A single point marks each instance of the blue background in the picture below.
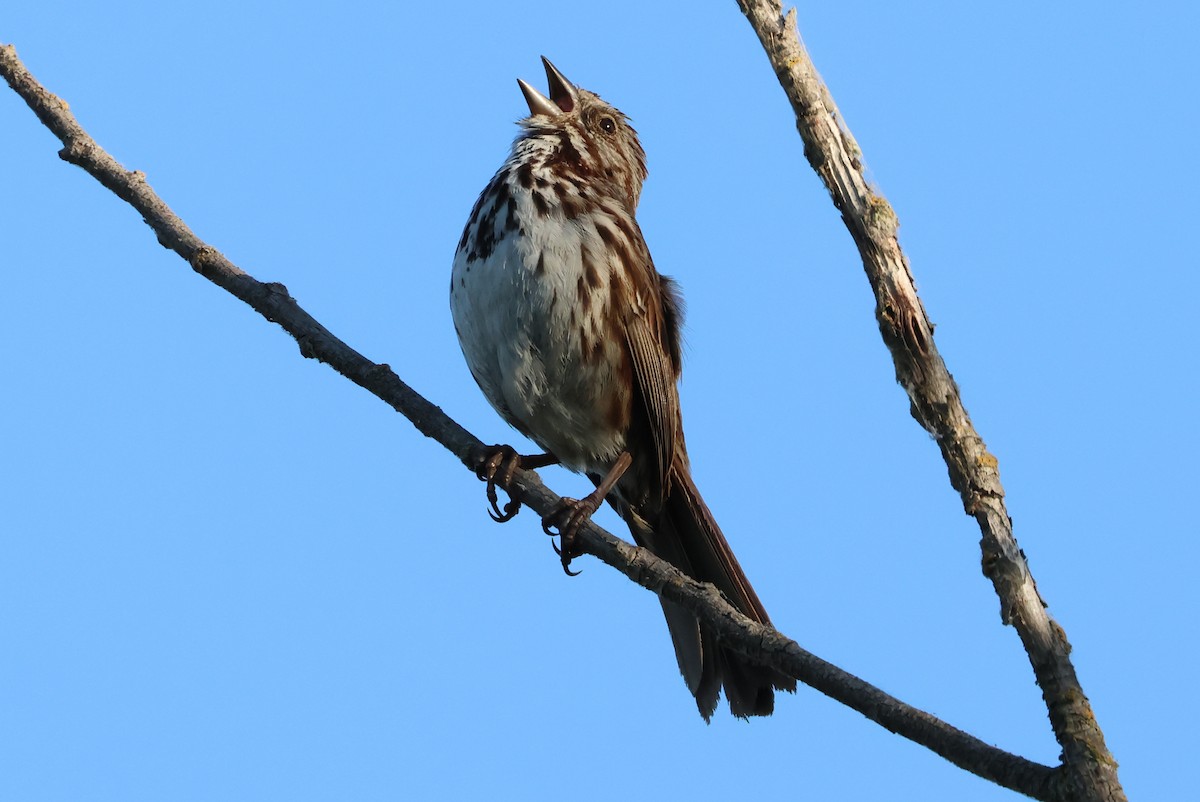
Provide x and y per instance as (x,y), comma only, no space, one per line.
(227,573)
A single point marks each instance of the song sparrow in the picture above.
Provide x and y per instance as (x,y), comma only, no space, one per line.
(573,336)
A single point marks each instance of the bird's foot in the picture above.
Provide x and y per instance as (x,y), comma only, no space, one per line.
(567,517)
(570,514)
(497,465)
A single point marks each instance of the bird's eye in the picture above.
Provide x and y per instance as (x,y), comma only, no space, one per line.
(607,124)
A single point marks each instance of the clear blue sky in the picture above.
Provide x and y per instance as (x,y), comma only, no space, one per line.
(227,573)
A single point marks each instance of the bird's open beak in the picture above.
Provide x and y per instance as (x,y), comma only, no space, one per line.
(563,94)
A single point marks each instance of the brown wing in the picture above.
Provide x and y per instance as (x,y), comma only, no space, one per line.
(652,313)
(654,392)
(649,317)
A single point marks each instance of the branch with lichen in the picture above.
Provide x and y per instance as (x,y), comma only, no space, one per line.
(1088,771)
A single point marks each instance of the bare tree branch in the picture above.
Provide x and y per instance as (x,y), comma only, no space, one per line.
(1090,773)
(764,644)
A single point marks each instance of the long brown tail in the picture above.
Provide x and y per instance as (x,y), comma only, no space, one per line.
(687,536)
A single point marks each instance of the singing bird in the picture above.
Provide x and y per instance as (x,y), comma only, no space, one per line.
(574,337)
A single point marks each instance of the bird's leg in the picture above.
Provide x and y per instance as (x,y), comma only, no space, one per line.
(496,466)
(570,514)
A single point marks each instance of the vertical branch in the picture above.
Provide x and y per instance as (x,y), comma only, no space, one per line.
(1089,771)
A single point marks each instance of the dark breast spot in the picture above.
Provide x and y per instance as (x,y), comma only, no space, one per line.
(591,273)
(572,206)
(525,174)
(479,235)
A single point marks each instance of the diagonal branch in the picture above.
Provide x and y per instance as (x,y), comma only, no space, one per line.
(764,644)
(1089,769)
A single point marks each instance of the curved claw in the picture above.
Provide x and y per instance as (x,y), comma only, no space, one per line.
(567,518)
(511,508)
(566,562)
(549,521)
